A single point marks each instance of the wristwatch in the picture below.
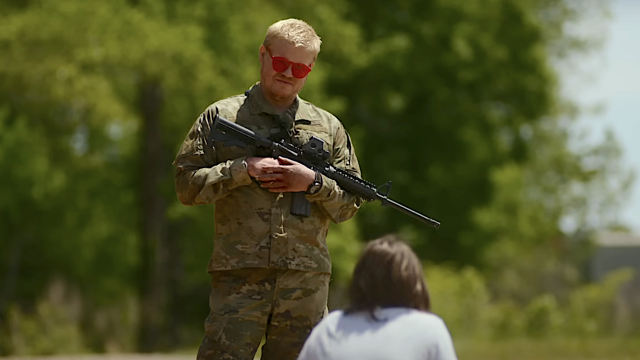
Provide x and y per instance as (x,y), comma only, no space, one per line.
(316,185)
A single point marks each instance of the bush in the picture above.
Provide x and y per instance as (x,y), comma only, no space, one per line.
(63,322)
(590,309)
(462,298)
(48,331)
(543,317)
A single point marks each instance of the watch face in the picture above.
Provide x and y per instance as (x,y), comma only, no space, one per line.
(314,187)
(316,184)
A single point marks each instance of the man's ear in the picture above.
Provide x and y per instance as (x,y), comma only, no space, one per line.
(261,52)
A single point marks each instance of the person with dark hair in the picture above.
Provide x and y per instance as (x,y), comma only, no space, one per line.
(388,316)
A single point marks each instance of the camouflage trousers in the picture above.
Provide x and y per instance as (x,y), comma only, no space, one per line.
(249,304)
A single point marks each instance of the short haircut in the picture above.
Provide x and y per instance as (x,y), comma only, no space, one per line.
(388,274)
(297,32)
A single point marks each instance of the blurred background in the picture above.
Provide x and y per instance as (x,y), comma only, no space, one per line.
(513,122)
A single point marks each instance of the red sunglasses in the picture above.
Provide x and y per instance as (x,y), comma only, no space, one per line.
(281,64)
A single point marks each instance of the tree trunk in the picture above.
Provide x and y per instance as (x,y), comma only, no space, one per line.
(11,275)
(153,245)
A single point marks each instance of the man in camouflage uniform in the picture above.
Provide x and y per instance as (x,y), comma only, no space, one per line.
(270,269)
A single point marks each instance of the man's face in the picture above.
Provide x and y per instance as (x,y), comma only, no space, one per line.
(283,86)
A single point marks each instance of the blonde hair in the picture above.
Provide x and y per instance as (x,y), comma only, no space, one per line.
(297,32)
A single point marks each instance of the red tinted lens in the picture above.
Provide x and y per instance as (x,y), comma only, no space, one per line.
(300,70)
(280,64)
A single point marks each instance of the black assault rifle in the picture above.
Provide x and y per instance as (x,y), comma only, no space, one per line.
(313,156)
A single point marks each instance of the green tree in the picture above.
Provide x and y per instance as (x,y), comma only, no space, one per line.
(86,111)
(470,92)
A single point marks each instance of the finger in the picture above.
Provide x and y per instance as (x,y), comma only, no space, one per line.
(269,177)
(270,162)
(272,184)
(286,161)
(275,169)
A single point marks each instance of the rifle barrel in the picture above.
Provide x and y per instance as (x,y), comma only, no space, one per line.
(416,215)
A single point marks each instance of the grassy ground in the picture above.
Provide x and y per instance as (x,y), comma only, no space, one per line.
(108,357)
(528,349)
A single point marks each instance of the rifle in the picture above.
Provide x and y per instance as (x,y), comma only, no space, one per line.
(314,156)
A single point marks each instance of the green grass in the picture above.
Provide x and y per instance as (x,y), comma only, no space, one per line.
(548,349)
(544,349)
(529,349)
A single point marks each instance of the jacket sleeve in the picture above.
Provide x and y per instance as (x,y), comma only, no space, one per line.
(337,203)
(200,179)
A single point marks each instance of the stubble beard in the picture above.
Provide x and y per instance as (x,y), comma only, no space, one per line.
(288,94)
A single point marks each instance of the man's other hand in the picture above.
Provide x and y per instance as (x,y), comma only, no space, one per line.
(280,175)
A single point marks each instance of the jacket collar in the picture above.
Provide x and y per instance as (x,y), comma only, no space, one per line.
(258,104)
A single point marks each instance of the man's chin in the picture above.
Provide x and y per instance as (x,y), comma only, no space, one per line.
(283,95)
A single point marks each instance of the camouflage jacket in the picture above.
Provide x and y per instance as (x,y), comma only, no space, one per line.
(254,227)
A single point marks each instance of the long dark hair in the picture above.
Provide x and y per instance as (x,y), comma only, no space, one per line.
(388,274)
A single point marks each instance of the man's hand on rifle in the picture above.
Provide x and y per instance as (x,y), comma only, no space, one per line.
(281,174)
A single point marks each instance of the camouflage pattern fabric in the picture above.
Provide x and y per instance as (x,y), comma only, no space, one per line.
(254,227)
(246,303)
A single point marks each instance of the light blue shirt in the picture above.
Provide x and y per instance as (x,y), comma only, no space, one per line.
(400,333)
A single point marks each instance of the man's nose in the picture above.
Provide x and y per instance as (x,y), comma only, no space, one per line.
(289,71)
